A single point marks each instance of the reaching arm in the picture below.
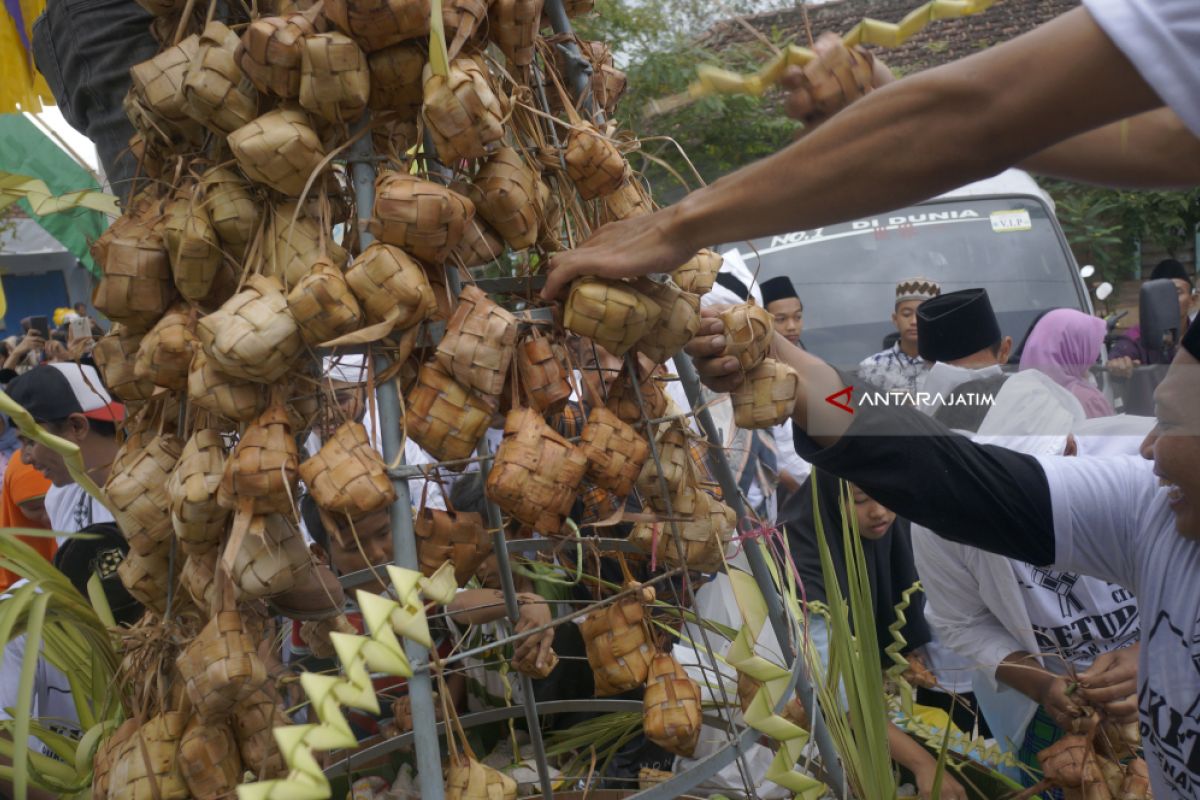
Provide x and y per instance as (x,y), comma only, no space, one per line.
(902,143)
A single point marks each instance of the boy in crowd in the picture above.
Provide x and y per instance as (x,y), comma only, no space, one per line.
(781,302)
(900,367)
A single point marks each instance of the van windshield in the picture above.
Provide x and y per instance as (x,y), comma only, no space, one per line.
(846,274)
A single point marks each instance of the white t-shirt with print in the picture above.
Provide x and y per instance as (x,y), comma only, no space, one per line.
(1162,39)
(52,704)
(1112,520)
(71,509)
(1075,617)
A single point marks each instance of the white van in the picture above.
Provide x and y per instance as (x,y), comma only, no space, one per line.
(999,233)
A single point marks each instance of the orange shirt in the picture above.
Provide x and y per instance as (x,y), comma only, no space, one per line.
(22,483)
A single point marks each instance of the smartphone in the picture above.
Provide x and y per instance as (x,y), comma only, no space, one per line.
(79,328)
(41,325)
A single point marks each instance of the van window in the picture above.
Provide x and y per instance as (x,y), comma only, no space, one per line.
(846,274)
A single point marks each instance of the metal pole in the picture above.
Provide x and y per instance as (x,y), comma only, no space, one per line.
(761,571)
(404,543)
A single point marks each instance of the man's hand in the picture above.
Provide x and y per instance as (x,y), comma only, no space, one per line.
(719,372)
(535,650)
(1122,367)
(1060,705)
(950,788)
(625,249)
(837,77)
(1110,684)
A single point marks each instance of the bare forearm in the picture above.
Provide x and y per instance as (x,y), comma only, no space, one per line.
(925,134)
(1022,672)
(824,423)
(1151,150)
(905,751)
(477,606)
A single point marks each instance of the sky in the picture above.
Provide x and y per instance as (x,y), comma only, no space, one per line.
(53,119)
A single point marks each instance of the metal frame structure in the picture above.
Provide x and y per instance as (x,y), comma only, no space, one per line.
(425,736)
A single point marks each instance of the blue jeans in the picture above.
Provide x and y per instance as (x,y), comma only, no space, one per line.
(85,48)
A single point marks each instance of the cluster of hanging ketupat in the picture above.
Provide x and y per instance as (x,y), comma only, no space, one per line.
(225,283)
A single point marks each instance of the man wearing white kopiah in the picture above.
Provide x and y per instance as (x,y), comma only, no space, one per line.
(901,367)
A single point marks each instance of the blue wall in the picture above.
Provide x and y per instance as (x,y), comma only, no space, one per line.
(32,295)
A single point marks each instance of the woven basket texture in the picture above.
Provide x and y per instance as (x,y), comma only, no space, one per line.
(677,323)
(767,397)
(209,760)
(215,91)
(262,468)
(614,450)
(748,333)
(536,472)
(137,287)
(279,149)
(220,666)
(444,417)
(505,194)
(424,218)
(671,707)
(396,80)
(192,246)
(513,26)
(593,162)
(272,559)
(138,492)
(376,24)
(699,273)
(115,354)
(479,245)
(477,348)
(198,519)
(270,53)
(463,113)
(334,79)
(323,305)
(704,524)
(229,396)
(468,779)
(145,767)
(146,578)
(460,537)
(165,353)
(347,475)
(292,248)
(391,286)
(253,336)
(541,365)
(253,722)
(609,312)
(158,81)
(618,648)
(630,200)
(234,212)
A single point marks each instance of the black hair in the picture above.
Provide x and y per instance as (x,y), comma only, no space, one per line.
(312,520)
(467,493)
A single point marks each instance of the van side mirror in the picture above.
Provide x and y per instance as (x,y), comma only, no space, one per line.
(1158,308)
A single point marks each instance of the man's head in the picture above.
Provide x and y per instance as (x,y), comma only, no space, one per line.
(910,293)
(1174,443)
(69,400)
(81,309)
(350,544)
(346,377)
(961,329)
(1172,270)
(781,302)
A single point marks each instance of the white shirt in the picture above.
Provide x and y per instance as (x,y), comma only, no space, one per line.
(1162,39)
(52,705)
(1112,520)
(789,462)
(72,509)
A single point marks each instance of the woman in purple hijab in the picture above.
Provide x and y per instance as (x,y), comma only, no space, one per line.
(1064,344)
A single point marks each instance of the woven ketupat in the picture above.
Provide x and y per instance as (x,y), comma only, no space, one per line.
(106,755)
(158,82)
(630,200)
(137,286)
(292,245)
(704,524)
(460,537)
(468,779)
(536,472)
(424,218)
(209,760)
(608,82)
(767,397)
(280,149)
(396,80)
(272,557)
(699,273)
(253,721)
(391,287)
(505,193)
(671,706)
(323,305)
(252,335)
(593,162)
(465,116)
(347,474)
(543,372)
(618,645)
(376,24)
(623,398)
(192,246)
(479,245)
(270,53)
(748,333)
(231,207)
(234,398)
(444,417)
(221,667)
(137,488)
(165,353)
(116,354)
(215,91)
(262,468)
(614,450)
(611,313)
(145,766)
(678,469)
(199,521)
(461,20)
(513,26)
(199,577)
(677,323)
(334,79)
(477,349)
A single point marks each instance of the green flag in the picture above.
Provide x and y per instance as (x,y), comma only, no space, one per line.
(25,150)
